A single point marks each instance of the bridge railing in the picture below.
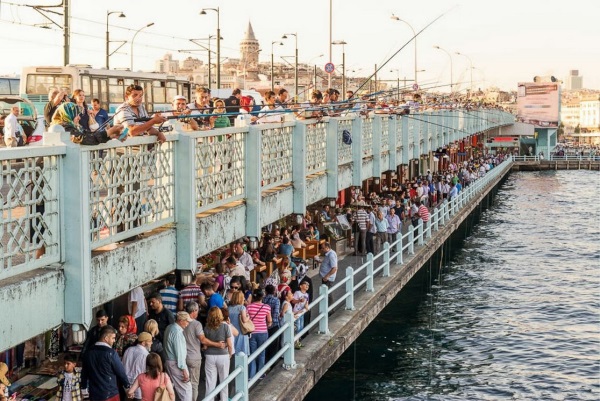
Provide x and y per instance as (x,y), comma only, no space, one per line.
(376,265)
(115,191)
(588,157)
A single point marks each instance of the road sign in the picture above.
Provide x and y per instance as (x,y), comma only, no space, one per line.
(415,86)
(329,68)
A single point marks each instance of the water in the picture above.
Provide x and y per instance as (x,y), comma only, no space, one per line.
(514,314)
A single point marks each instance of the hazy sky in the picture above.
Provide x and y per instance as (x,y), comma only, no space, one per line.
(508,41)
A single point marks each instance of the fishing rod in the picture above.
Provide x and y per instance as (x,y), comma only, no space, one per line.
(403,46)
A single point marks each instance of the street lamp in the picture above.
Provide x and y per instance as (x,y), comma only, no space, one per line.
(398,80)
(449,55)
(396,18)
(470,70)
(108,13)
(343,43)
(203,12)
(134,35)
(314,72)
(296,64)
(272,62)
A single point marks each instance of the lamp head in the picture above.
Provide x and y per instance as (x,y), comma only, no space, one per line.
(202,12)
(150,24)
(121,15)
(284,37)
(395,18)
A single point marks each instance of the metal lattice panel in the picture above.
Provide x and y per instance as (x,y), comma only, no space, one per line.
(344,150)
(385,132)
(411,133)
(276,155)
(367,136)
(219,170)
(399,141)
(29,221)
(316,145)
(130,187)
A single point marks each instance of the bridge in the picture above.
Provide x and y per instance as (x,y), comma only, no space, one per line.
(195,193)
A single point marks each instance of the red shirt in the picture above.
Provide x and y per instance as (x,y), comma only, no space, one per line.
(424,213)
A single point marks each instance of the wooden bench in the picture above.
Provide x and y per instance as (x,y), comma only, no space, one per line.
(312,248)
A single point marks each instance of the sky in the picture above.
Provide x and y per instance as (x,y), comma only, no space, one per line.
(506,41)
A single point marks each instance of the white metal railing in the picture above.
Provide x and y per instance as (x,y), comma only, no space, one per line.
(376,265)
(588,157)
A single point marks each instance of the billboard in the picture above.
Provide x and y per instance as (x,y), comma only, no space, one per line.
(537,103)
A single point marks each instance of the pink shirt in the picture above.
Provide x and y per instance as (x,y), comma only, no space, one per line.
(149,385)
(259,316)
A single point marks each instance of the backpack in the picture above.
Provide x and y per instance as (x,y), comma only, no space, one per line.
(347,137)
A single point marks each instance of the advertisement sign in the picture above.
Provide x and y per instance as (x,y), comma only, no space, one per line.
(537,103)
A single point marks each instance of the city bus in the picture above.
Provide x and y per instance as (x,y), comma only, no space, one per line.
(9,86)
(106,85)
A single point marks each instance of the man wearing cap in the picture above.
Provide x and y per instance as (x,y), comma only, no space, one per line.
(180,108)
(134,360)
(176,353)
(102,368)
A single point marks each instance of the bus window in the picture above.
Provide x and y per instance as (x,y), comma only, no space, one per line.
(40,84)
(5,86)
(147,85)
(115,90)
(172,90)
(158,91)
(103,95)
(87,88)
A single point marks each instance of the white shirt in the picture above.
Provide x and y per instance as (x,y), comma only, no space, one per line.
(134,362)
(11,127)
(137,295)
(267,115)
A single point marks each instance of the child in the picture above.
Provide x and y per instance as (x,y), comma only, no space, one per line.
(69,381)
(300,306)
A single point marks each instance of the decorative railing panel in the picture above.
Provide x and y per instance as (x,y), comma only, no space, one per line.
(276,155)
(219,161)
(131,190)
(367,136)
(316,147)
(344,150)
(385,134)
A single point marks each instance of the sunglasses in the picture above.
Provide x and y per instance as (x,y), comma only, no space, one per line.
(235,288)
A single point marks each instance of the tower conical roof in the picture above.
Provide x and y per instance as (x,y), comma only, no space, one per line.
(249,32)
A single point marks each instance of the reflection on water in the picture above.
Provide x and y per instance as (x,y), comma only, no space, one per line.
(515,314)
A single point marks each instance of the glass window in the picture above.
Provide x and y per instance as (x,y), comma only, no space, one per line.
(115,93)
(40,84)
(87,88)
(158,91)
(4,86)
(104,93)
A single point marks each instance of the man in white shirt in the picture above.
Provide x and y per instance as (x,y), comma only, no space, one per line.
(13,132)
(137,307)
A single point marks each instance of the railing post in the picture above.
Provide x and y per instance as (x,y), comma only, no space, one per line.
(349,288)
(185,202)
(370,286)
(411,240)
(420,232)
(253,168)
(357,152)
(400,248)
(428,230)
(436,217)
(75,231)
(299,168)
(442,212)
(323,310)
(332,157)
(386,259)
(289,361)
(241,380)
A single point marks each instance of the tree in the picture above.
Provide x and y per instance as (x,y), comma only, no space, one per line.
(577,129)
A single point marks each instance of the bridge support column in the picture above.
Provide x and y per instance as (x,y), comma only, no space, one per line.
(185,210)
(253,179)
(299,169)
(357,151)
(332,158)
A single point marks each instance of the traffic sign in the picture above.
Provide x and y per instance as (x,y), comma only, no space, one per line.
(329,68)
(415,86)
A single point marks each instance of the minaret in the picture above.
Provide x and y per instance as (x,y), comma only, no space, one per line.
(249,50)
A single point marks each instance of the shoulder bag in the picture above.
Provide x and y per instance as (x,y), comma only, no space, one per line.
(161,393)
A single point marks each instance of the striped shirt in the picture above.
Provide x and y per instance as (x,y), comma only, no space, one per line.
(170,296)
(190,293)
(126,116)
(258,313)
(361,219)
(274,303)
(424,213)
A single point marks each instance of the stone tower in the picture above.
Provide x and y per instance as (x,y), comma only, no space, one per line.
(249,50)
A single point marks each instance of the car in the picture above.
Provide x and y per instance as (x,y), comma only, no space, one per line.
(33,124)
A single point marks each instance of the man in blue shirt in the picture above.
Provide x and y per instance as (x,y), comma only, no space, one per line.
(329,265)
(212,298)
(176,352)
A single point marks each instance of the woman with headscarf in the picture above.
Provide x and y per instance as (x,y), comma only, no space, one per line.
(126,335)
(67,115)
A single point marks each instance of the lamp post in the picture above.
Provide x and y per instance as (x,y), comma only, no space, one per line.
(272,63)
(449,55)
(295,64)
(398,80)
(203,12)
(396,18)
(108,13)
(343,43)
(470,70)
(133,39)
